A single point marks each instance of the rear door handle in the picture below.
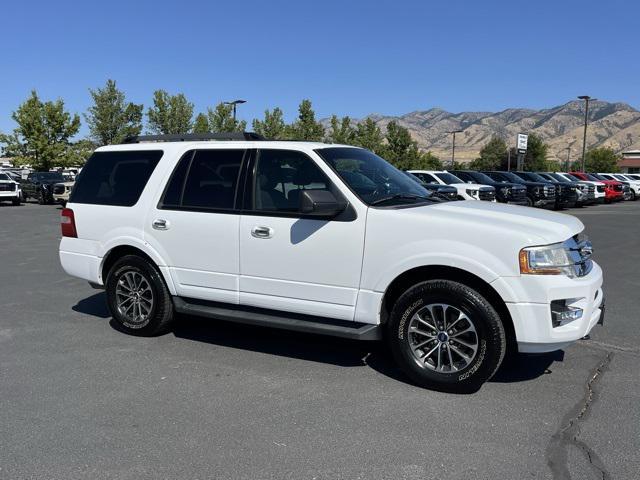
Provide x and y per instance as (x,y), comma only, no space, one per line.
(262,232)
(160,224)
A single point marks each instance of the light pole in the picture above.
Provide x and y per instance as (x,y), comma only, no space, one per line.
(566,166)
(235,103)
(453,150)
(586,99)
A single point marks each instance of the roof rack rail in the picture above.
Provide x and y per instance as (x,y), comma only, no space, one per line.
(194,137)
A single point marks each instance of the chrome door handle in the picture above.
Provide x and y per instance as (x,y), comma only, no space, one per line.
(160,224)
(262,232)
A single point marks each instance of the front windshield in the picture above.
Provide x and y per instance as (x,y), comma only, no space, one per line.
(50,176)
(4,176)
(371,178)
(447,178)
(593,177)
(560,178)
(533,177)
(481,177)
(506,177)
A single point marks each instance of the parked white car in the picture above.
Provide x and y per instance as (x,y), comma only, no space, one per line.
(634,185)
(329,239)
(466,191)
(9,189)
(599,186)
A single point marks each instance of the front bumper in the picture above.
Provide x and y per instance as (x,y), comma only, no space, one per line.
(528,299)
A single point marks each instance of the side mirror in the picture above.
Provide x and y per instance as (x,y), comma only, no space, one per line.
(320,203)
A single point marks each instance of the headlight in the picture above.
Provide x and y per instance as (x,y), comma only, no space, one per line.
(570,258)
(473,193)
(504,190)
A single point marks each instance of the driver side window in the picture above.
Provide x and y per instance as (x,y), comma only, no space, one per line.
(280,177)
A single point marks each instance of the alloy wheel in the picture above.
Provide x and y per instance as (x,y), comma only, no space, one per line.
(442,338)
(134,299)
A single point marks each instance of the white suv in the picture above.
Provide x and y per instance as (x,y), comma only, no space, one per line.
(9,189)
(328,239)
(466,191)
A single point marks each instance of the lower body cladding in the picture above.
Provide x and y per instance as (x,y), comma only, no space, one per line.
(544,202)
(550,312)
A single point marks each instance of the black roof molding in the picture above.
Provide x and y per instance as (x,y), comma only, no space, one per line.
(195,137)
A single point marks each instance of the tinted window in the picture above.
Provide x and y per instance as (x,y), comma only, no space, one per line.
(448,178)
(115,178)
(4,176)
(280,177)
(205,179)
(426,177)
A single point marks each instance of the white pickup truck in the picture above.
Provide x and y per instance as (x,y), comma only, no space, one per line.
(329,239)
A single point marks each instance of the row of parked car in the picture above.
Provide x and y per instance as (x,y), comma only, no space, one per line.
(555,190)
(44,187)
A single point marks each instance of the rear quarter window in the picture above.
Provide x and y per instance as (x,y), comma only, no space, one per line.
(115,178)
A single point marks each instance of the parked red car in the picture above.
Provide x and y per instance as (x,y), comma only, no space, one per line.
(613,190)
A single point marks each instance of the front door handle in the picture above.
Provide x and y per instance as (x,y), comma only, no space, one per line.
(160,224)
(262,232)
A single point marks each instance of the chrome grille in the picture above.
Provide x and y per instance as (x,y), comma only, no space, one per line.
(7,187)
(487,194)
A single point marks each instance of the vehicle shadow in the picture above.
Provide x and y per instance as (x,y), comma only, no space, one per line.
(314,348)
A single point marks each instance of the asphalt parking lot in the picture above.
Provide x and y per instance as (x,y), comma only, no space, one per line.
(78,399)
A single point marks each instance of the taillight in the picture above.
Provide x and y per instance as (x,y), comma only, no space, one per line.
(68,223)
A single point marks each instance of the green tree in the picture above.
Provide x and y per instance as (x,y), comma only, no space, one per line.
(306,127)
(111,118)
(492,155)
(201,124)
(78,153)
(601,159)
(273,126)
(369,135)
(170,114)
(402,150)
(43,134)
(341,131)
(535,160)
(221,119)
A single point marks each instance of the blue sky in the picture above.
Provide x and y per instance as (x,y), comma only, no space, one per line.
(348,57)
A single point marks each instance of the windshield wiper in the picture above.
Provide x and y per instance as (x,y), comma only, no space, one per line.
(398,196)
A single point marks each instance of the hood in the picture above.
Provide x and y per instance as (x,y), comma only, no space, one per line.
(534,184)
(470,186)
(539,227)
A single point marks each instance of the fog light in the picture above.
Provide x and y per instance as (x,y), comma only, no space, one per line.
(561,313)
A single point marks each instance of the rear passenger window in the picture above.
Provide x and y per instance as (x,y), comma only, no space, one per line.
(204,179)
(115,178)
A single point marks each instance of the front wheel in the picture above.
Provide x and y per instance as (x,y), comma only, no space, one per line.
(138,298)
(529,202)
(16,201)
(446,336)
(41,200)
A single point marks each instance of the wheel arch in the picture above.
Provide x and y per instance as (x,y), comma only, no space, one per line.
(411,277)
(121,250)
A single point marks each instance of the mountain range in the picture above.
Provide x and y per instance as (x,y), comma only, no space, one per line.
(615,125)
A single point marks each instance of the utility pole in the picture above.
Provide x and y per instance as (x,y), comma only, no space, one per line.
(566,166)
(586,99)
(453,150)
(509,159)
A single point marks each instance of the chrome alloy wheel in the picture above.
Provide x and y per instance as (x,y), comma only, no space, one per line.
(134,299)
(442,338)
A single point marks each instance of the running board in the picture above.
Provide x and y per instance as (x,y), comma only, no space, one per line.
(276,319)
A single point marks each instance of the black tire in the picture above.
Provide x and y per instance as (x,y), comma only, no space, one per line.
(529,202)
(161,312)
(24,197)
(16,201)
(41,198)
(490,337)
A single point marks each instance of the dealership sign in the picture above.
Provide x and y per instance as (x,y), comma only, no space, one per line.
(522,143)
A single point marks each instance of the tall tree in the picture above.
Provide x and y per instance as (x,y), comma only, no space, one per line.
(221,119)
(201,124)
(341,131)
(43,134)
(491,156)
(111,118)
(369,135)
(402,150)
(306,127)
(601,159)
(535,159)
(170,114)
(78,153)
(273,126)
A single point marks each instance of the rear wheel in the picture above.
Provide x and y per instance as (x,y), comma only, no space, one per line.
(138,297)
(16,201)
(41,200)
(529,202)
(446,336)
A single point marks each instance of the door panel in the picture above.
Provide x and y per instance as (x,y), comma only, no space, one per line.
(302,265)
(195,227)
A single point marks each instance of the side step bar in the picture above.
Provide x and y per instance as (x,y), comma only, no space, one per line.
(277,319)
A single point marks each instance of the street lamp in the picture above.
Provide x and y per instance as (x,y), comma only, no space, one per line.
(235,103)
(453,150)
(586,99)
